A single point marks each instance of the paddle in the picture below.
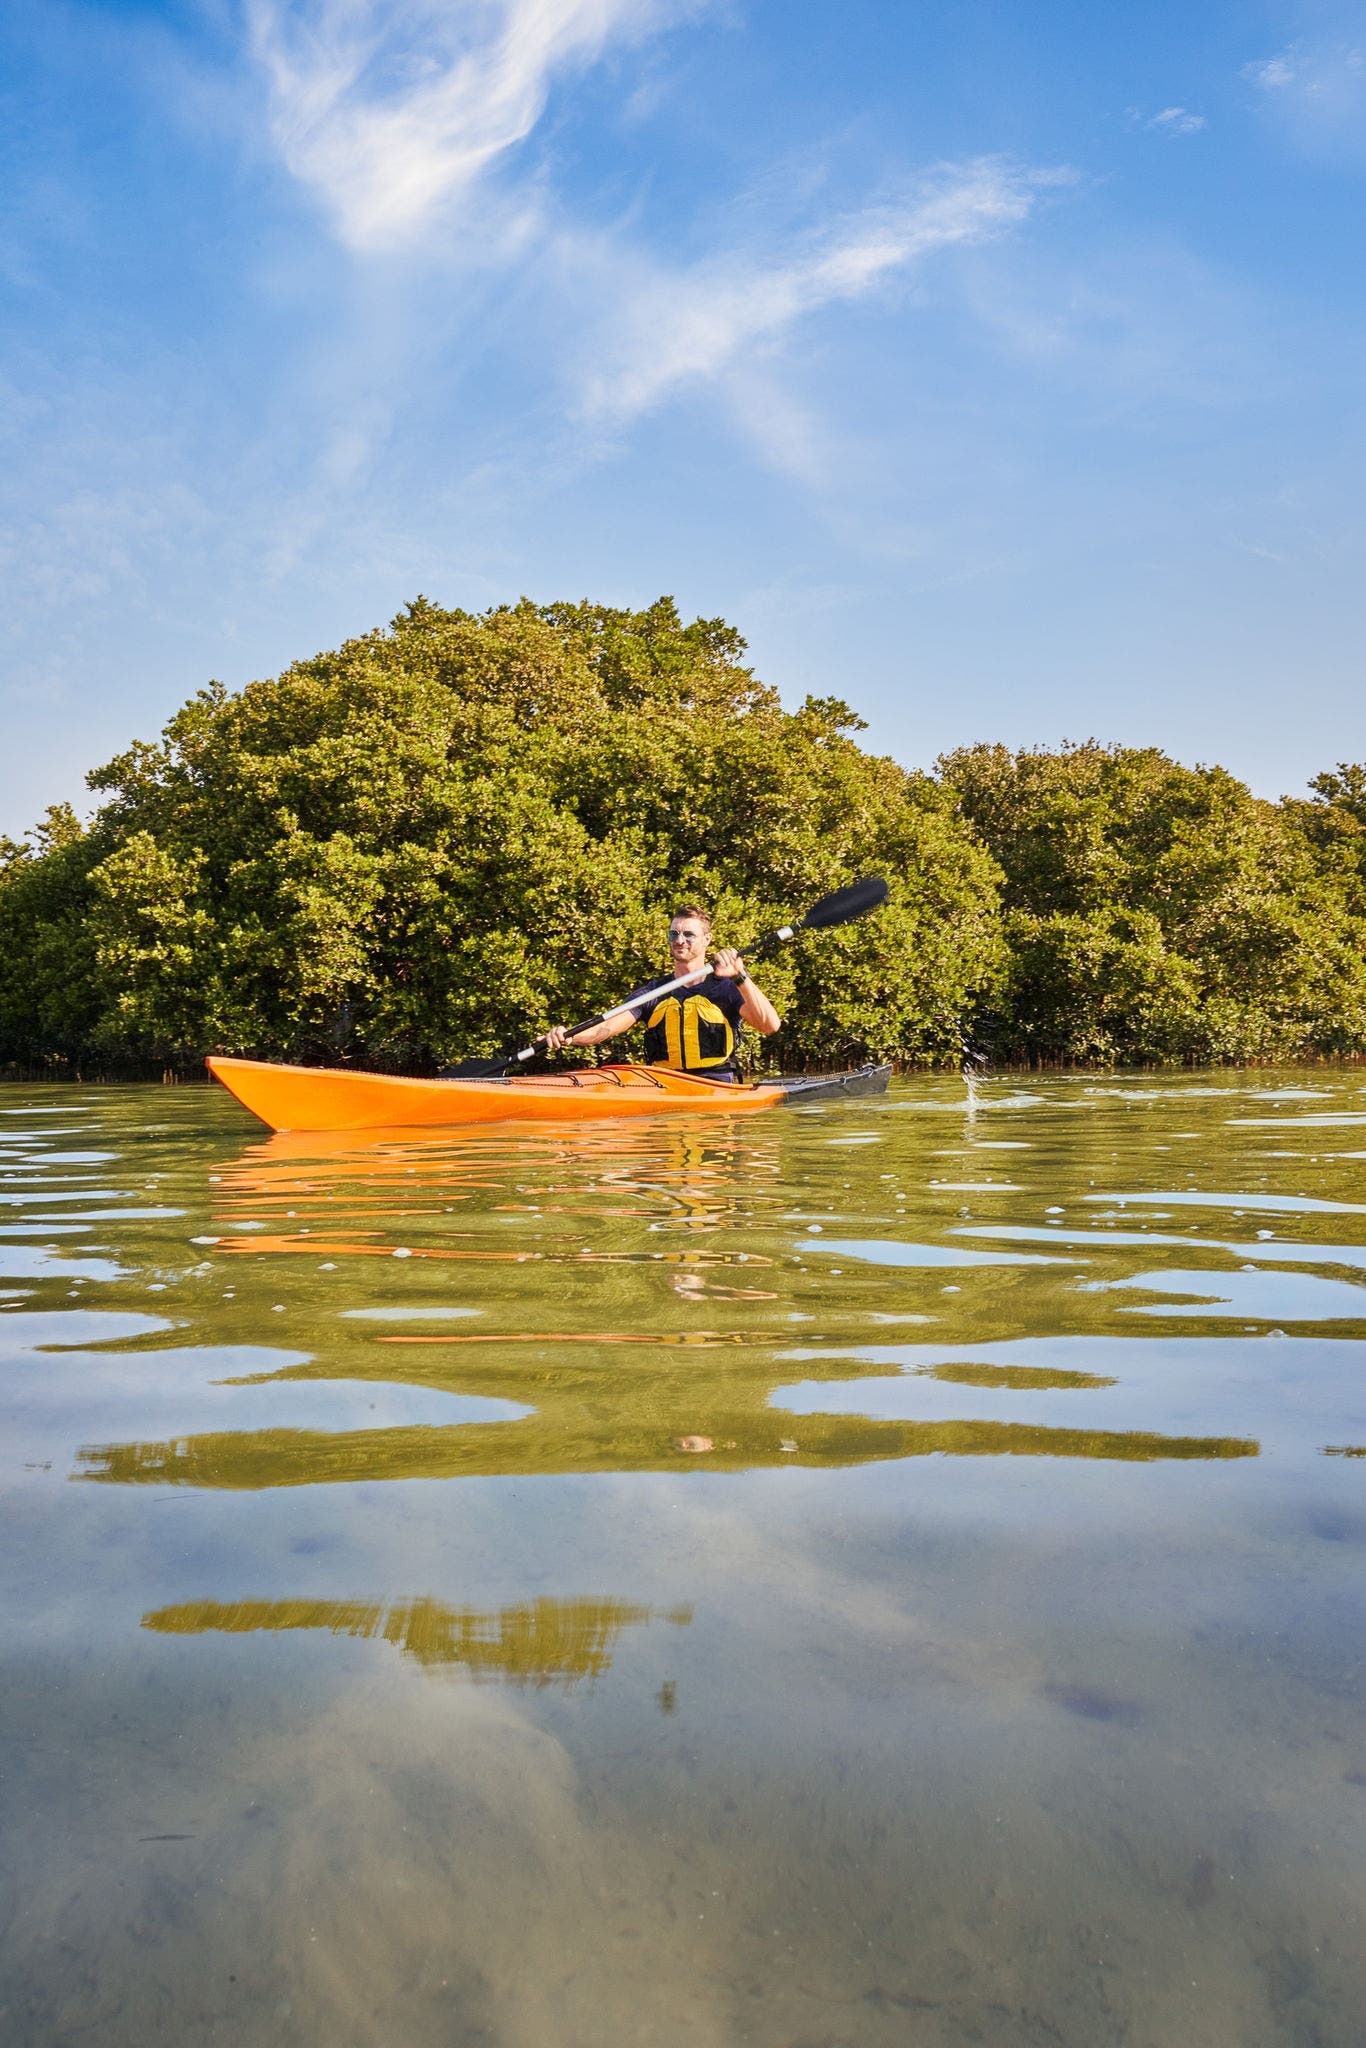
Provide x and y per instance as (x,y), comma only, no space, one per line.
(842,906)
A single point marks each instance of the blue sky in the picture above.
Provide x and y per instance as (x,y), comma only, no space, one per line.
(997,367)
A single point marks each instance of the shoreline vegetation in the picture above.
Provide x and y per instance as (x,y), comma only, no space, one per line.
(458,828)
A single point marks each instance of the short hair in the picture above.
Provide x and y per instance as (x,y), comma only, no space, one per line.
(691,910)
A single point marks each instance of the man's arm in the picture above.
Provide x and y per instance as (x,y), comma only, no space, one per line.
(596,1034)
(755,1007)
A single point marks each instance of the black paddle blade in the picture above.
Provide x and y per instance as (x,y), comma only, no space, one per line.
(478,1070)
(856,899)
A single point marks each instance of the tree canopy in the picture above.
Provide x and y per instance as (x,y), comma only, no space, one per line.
(452,832)
(461,829)
(1153,912)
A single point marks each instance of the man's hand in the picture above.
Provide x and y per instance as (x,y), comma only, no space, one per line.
(611,1026)
(755,1007)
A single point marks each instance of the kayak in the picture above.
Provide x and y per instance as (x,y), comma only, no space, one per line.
(340,1099)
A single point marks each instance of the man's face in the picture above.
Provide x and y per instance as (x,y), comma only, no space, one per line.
(687,944)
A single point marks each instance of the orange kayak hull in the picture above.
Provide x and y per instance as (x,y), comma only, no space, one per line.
(337,1099)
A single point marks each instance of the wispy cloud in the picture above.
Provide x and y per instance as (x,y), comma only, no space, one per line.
(1171,120)
(1318,90)
(1136,328)
(1176,121)
(1273,74)
(692,326)
(394,112)
(391,109)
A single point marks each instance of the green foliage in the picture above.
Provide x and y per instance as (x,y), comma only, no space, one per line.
(1161,913)
(48,976)
(454,832)
(446,835)
(1334,828)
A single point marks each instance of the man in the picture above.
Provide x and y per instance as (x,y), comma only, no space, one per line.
(697,1028)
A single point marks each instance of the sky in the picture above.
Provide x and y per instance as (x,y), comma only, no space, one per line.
(997,368)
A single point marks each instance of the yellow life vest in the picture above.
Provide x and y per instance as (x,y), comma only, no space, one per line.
(692,1033)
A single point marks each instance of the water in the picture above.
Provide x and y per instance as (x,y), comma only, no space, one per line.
(875,1574)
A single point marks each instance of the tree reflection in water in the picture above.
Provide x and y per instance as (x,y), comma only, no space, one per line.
(619,1349)
(540,1642)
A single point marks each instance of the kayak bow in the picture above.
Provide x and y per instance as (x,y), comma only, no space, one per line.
(340,1099)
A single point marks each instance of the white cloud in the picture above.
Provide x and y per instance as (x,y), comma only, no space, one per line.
(396,114)
(390,109)
(693,326)
(1171,120)
(1317,91)
(1271,75)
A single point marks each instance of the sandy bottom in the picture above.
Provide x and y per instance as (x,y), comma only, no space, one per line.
(375,1856)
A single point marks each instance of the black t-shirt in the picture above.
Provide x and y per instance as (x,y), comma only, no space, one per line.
(696,1028)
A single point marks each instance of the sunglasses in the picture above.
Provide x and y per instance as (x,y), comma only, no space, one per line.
(683,938)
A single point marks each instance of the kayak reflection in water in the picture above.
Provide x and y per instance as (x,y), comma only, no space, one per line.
(696,1029)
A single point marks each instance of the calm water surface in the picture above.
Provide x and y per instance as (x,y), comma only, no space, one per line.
(889,1573)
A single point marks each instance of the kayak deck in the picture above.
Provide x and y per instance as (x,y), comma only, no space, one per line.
(340,1099)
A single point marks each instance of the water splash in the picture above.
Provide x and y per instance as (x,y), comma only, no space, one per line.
(972,1060)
